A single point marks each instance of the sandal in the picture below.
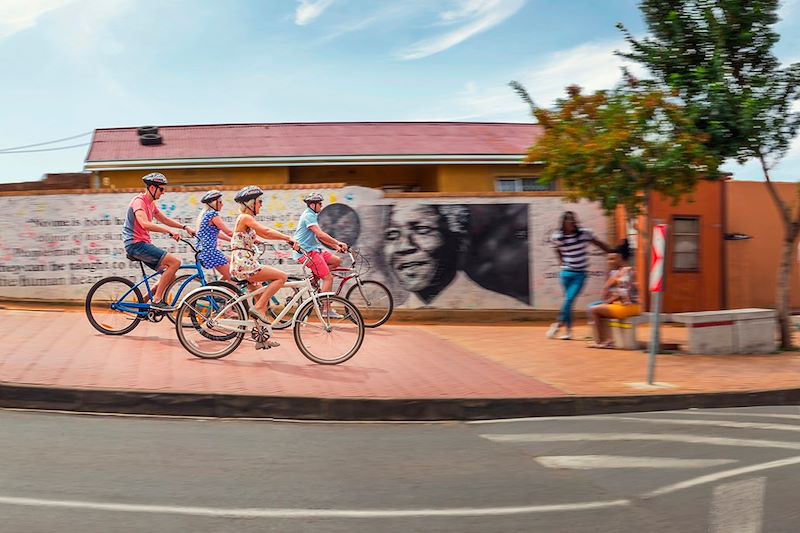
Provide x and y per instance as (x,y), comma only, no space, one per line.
(601,345)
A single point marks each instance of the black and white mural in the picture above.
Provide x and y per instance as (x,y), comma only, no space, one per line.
(441,255)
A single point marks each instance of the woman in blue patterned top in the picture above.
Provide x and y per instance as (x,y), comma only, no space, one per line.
(211,227)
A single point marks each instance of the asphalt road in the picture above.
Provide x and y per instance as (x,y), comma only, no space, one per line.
(732,470)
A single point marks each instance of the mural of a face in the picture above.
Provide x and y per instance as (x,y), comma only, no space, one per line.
(413,245)
(341,222)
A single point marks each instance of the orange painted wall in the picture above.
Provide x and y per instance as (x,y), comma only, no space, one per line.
(752,264)
(689,291)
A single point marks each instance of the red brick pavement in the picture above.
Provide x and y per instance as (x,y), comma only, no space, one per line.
(395,362)
(61,349)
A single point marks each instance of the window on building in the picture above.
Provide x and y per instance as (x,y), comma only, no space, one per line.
(514,184)
(686,244)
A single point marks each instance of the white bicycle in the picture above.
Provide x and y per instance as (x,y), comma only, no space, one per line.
(212,322)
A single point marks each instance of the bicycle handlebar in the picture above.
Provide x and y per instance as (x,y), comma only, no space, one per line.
(192,246)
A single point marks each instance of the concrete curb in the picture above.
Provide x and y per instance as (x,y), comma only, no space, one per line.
(300,408)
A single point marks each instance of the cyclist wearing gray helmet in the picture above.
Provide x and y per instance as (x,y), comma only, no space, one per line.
(244,261)
(136,235)
(210,227)
(310,237)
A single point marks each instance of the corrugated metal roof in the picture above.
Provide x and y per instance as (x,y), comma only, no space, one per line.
(316,140)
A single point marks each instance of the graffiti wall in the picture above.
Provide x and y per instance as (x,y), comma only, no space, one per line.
(466,253)
(55,247)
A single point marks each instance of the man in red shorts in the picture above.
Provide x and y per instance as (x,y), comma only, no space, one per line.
(310,237)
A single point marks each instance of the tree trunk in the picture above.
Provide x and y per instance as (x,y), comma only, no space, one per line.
(791,227)
(784,290)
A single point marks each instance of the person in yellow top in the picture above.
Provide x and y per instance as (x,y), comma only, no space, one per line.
(621,297)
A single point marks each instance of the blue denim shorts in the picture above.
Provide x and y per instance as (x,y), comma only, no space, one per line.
(147,253)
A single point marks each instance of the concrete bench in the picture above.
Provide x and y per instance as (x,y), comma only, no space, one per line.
(730,331)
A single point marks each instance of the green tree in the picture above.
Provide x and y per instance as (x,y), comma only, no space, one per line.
(616,146)
(717,57)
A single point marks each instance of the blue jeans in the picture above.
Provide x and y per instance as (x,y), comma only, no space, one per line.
(573,283)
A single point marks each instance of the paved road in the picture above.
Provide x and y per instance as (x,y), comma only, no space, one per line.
(734,470)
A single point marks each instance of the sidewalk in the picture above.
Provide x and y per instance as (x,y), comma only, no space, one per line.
(57,360)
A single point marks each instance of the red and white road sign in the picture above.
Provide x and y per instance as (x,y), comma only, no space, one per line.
(657,257)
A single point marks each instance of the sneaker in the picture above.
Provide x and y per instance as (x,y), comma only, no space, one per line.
(567,336)
(553,331)
(267,345)
(253,312)
(332,314)
(162,306)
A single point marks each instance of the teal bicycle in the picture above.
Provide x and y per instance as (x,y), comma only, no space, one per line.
(116,305)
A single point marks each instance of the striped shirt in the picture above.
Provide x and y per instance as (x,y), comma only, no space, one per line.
(574,255)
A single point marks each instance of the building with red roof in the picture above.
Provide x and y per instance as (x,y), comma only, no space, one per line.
(402,156)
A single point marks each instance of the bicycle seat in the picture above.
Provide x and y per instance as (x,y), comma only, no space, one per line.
(133,259)
(241,282)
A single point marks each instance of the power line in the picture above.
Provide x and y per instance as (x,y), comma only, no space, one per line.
(43,149)
(47,142)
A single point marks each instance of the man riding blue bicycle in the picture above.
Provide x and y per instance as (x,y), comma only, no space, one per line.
(136,235)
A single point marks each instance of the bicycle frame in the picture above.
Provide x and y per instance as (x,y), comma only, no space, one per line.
(241,325)
(344,274)
(141,309)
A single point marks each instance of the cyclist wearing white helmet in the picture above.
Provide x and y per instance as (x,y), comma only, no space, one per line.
(136,235)
(310,237)
(244,263)
(210,227)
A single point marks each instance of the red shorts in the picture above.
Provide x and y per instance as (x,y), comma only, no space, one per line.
(319,263)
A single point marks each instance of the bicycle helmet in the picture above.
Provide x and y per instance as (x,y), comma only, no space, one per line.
(211,196)
(155,178)
(313,198)
(250,192)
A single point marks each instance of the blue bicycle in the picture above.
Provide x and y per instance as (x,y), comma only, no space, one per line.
(115,305)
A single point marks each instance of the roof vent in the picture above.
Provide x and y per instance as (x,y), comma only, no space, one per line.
(149,136)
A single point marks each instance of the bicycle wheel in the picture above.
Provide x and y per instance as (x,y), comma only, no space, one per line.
(108,292)
(191,324)
(192,320)
(172,296)
(279,302)
(374,301)
(332,339)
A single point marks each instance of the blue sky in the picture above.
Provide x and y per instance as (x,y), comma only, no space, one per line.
(70,66)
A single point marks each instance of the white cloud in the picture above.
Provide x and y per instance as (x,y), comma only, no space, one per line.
(308,10)
(475,16)
(19,15)
(84,28)
(386,12)
(593,66)
(788,10)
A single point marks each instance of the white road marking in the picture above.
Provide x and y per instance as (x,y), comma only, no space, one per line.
(735,415)
(665,437)
(738,507)
(309,513)
(591,462)
(712,478)
(198,418)
(715,423)
(533,419)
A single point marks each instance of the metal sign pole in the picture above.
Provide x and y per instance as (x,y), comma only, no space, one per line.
(655,311)
(658,245)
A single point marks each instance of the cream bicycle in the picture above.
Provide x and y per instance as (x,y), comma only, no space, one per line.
(212,322)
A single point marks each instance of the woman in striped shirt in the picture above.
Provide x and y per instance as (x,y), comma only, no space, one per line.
(571,243)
